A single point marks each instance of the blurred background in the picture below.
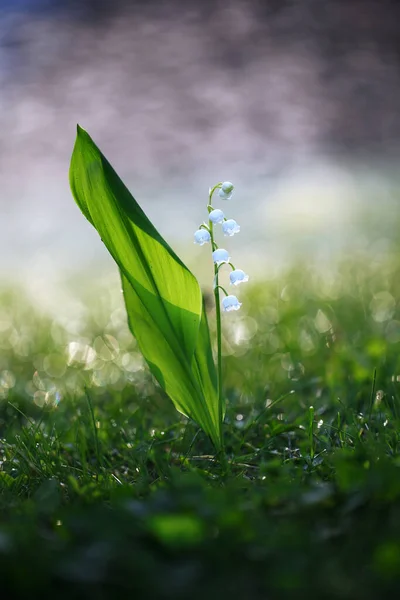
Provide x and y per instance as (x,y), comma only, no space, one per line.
(295,101)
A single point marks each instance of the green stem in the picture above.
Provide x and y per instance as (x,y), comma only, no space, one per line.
(222,288)
(219,348)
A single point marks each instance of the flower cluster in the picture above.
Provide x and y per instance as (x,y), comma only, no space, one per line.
(205,234)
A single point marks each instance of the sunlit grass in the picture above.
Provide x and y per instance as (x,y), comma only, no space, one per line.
(100,471)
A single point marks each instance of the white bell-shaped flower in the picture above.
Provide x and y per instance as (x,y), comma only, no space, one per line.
(221,256)
(226,190)
(230,227)
(238,276)
(231,303)
(201,237)
(216,216)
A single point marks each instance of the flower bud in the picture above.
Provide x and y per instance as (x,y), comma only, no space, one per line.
(230,227)
(226,190)
(227,187)
(238,276)
(231,303)
(201,237)
(216,216)
(221,256)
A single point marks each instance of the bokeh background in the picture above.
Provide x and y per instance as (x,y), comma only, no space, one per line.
(296,102)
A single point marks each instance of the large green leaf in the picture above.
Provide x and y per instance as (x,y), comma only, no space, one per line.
(163,298)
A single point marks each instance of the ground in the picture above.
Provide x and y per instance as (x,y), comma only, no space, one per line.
(106,491)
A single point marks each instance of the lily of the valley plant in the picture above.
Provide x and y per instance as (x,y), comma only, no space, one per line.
(164,303)
(204,234)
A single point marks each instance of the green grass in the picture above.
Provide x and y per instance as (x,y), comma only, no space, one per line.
(107,492)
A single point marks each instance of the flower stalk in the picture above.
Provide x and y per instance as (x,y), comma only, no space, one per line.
(205,234)
(217,316)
